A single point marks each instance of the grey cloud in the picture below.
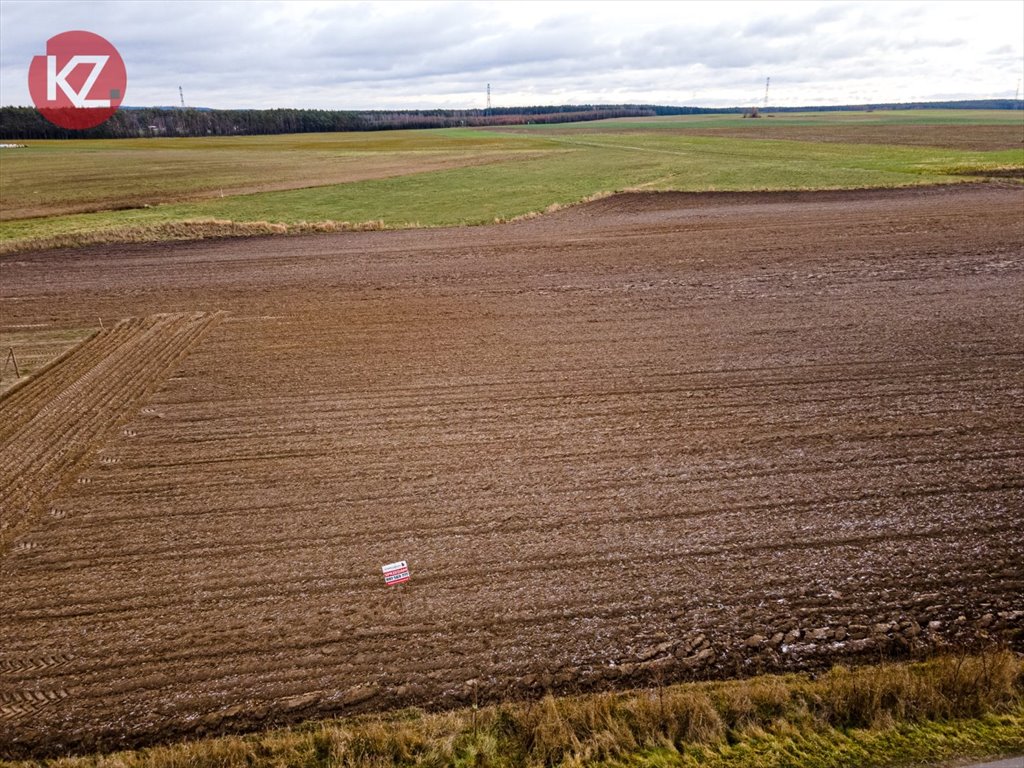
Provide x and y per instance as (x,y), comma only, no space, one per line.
(339,32)
(264,53)
(794,26)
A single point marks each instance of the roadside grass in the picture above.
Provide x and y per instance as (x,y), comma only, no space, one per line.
(893,714)
(436,178)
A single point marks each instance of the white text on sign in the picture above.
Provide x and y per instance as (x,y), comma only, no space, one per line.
(395,573)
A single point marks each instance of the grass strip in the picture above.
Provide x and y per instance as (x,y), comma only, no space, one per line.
(892,714)
(573,168)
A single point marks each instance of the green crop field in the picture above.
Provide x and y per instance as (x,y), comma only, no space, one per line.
(71,192)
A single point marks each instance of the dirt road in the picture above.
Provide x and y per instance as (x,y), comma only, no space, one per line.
(654,437)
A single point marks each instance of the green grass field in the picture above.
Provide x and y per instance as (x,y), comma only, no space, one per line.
(65,193)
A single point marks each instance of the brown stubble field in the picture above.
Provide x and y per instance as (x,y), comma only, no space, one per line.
(649,438)
(983,131)
(979,137)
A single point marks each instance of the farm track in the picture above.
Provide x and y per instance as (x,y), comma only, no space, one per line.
(49,425)
(651,438)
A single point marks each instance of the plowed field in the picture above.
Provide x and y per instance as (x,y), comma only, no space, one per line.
(644,439)
(978,137)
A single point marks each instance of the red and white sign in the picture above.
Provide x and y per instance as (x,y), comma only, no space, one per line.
(395,573)
(79,82)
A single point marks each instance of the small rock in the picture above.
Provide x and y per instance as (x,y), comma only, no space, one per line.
(840,634)
(358,694)
(986,620)
(817,635)
(860,645)
(657,650)
(565,676)
(934,626)
(791,637)
(293,703)
(777,639)
(705,655)
(700,641)
(699,659)
(754,641)
(410,691)
(662,663)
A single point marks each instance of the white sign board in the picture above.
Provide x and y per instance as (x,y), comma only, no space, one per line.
(395,573)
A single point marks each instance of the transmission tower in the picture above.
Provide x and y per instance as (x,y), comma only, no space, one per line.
(488,98)
(767,82)
(181,93)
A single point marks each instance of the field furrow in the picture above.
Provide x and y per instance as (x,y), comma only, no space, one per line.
(649,439)
(65,413)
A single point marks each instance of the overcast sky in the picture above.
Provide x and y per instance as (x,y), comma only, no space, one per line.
(369,55)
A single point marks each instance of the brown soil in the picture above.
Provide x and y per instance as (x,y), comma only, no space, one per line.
(977,137)
(57,417)
(36,345)
(650,438)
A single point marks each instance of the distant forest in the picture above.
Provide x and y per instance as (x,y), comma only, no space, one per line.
(136,122)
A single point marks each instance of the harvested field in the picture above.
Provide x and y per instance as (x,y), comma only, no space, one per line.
(37,346)
(650,438)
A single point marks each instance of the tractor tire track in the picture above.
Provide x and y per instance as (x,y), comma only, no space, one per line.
(58,418)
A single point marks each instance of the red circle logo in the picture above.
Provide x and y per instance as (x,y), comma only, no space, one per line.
(80,82)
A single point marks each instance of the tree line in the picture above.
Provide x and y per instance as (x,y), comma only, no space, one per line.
(136,122)
(27,123)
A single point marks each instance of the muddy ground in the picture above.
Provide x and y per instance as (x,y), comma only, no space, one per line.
(652,438)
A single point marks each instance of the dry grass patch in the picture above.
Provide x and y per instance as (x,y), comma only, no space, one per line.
(188,229)
(893,714)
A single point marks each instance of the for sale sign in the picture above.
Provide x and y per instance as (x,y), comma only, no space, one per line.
(395,573)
